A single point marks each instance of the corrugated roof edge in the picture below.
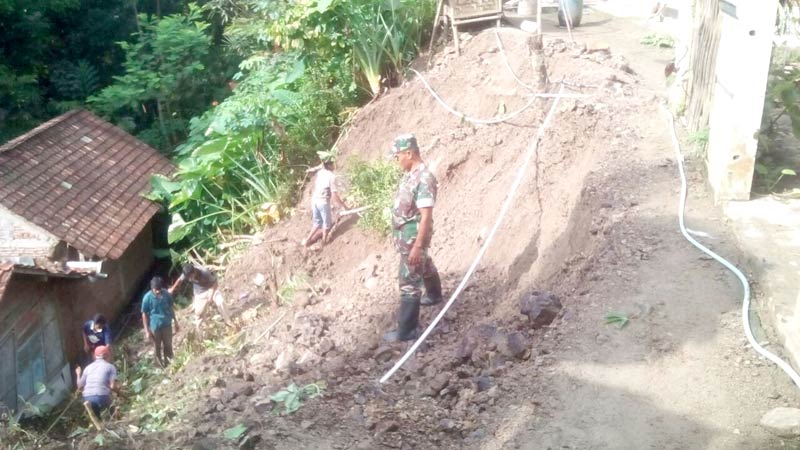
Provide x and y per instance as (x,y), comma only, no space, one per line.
(43,266)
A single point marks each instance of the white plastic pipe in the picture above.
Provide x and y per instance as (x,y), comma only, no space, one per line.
(497,120)
(742,279)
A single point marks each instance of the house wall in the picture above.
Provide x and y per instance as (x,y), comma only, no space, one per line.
(31,348)
(742,68)
(19,237)
(41,318)
(109,296)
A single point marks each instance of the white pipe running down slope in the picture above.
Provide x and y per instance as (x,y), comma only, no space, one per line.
(742,279)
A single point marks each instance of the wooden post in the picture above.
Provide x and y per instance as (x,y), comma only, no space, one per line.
(455,36)
(439,7)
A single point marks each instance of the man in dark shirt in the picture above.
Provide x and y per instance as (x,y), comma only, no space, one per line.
(96,332)
(204,288)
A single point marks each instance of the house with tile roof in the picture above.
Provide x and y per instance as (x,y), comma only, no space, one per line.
(76,239)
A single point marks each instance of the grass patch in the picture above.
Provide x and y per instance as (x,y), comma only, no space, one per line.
(700,139)
(373,184)
(658,40)
(290,287)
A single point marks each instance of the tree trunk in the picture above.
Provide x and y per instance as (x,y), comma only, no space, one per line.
(136,16)
(160,113)
(535,48)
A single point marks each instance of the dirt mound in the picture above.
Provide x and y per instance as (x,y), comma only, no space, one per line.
(444,398)
(452,393)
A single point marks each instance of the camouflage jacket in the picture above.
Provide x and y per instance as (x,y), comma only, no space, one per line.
(417,190)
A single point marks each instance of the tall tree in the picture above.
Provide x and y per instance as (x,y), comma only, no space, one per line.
(54,53)
(165,81)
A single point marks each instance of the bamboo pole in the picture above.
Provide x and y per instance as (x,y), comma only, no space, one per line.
(92,416)
(439,6)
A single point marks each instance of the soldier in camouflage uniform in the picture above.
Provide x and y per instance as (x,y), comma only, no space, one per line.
(412,223)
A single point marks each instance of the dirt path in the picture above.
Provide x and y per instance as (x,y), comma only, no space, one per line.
(680,375)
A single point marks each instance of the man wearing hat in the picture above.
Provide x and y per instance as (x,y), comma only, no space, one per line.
(412,228)
(97,380)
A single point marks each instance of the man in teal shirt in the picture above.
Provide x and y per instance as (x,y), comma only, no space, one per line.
(157,317)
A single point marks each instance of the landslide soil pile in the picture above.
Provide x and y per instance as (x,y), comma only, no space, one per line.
(455,392)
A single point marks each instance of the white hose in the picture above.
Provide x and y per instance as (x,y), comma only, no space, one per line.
(745,285)
(508,66)
(497,120)
(532,148)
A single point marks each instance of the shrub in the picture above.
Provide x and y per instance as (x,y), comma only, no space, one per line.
(373,184)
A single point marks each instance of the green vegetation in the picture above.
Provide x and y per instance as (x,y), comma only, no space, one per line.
(777,159)
(373,184)
(293,396)
(304,65)
(57,53)
(240,94)
(658,40)
(290,287)
(235,433)
(700,139)
(769,175)
(617,318)
(165,79)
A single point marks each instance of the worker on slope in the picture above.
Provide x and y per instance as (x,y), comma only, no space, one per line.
(412,228)
(324,191)
(205,289)
(97,381)
(96,332)
(158,315)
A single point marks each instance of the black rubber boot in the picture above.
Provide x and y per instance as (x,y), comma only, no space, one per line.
(433,290)
(407,322)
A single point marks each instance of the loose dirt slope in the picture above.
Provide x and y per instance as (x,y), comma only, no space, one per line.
(593,223)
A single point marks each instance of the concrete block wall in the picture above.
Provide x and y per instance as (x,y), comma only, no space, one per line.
(743,59)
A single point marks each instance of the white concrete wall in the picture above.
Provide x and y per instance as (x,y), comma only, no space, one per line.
(19,237)
(738,101)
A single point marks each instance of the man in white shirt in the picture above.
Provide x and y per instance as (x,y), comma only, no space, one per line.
(324,192)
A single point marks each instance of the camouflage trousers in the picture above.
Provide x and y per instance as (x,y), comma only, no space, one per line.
(412,277)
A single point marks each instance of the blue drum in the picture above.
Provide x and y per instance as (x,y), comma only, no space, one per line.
(573,9)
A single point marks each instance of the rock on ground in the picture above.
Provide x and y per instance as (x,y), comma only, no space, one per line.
(783,422)
(540,307)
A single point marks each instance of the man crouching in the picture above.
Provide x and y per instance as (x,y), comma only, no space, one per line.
(97,381)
